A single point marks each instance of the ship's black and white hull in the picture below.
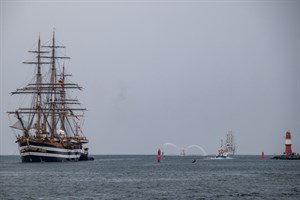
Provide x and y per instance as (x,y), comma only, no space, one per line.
(35,152)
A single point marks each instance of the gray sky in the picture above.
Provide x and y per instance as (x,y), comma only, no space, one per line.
(184,72)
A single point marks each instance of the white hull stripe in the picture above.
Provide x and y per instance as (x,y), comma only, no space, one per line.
(50,149)
(49,155)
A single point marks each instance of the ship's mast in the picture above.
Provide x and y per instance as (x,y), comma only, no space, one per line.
(53,81)
(57,105)
(36,90)
(38,82)
(62,95)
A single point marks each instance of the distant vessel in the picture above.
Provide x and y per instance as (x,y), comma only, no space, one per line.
(182,152)
(288,153)
(230,146)
(50,128)
(222,153)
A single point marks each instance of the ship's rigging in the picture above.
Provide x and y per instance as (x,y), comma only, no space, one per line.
(52,113)
(50,107)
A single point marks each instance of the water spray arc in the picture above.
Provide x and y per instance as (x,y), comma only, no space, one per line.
(173,146)
(168,146)
(197,147)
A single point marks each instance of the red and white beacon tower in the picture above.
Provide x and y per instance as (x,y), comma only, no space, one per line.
(288,143)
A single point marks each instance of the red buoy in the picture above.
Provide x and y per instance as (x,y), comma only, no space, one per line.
(158,156)
(262,155)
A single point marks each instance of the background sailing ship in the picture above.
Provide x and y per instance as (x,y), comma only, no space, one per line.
(50,131)
(230,143)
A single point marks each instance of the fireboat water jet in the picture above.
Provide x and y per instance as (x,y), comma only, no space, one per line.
(182,151)
(174,146)
(198,147)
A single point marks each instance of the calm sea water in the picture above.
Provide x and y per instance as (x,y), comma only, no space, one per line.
(140,177)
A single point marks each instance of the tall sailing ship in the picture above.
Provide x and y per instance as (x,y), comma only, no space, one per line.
(50,124)
(230,143)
